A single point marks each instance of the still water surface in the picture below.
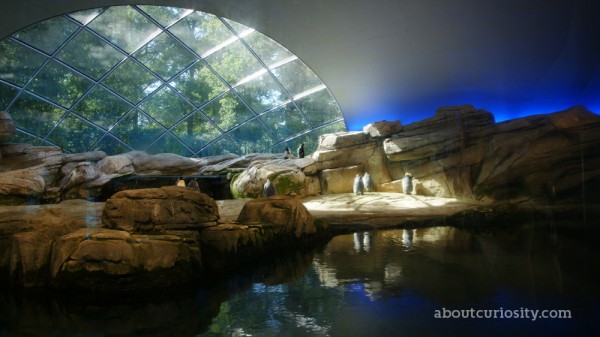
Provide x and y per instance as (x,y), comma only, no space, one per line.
(378,283)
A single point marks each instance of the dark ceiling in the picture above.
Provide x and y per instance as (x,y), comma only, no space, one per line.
(394,59)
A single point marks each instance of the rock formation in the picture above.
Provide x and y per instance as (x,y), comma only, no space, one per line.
(160,209)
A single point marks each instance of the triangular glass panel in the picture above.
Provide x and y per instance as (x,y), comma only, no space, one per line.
(137,130)
(18,63)
(34,115)
(101,107)
(296,77)
(125,27)
(252,137)
(59,84)
(23,138)
(221,146)
(90,55)
(262,93)
(85,16)
(165,15)
(196,131)
(47,35)
(165,56)
(74,135)
(269,51)
(169,144)
(198,84)
(132,81)
(7,94)
(227,111)
(111,145)
(166,106)
(285,121)
(320,108)
(234,63)
(202,32)
(238,27)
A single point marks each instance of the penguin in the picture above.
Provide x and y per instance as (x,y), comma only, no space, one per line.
(269,189)
(301,151)
(358,185)
(407,185)
(367,182)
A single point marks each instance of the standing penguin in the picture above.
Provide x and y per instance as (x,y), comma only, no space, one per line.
(367,182)
(269,189)
(407,185)
(301,151)
(358,188)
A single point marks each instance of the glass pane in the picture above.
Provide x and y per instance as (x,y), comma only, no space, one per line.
(252,137)
(234,63)
(201,32)
(262,93)
(196,131)
(59,84)
(221,146)
(164,15)
(125,27)
(137,130)
(198,84)
(227,111)
(169,144)
(74,135)
(90,55)
(166,106)
(86,16)
(111,145)
(101,107)
(132,81)
(238,27)
(165,56)
(320,108)
(7,94)
(285,121)
(34,115)
(269,51)
(296,77)
(24,138)
(18,63)
(47,35)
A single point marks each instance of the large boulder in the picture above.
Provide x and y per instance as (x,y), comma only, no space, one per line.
(114,260)
(284,214)
(264,225)
(288,178)
(27,171)
(160,209)
(28,233)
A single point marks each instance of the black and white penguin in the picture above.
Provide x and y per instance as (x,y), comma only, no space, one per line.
(407,185)
(358,188)
(269,189)
(367,182)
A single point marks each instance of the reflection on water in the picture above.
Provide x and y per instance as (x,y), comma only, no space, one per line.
(378,283)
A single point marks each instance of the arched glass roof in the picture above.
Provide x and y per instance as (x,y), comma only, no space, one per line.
(160,79)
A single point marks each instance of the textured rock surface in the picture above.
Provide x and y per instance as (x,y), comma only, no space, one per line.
(159,209)
(339,180)
(383,128)
(264,224)
(286,174)
(114,260)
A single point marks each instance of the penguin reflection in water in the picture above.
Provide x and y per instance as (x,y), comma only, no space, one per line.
(269,189)
(359,188)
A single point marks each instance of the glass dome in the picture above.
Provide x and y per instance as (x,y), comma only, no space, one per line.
(160,79)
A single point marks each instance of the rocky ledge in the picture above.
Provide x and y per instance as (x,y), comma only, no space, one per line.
(142,239)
